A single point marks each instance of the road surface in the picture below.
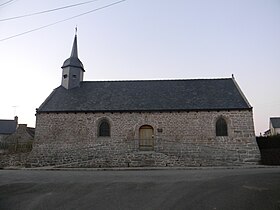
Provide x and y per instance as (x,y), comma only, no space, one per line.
(254,188)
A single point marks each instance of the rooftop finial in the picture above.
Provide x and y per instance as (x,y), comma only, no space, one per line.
(76,29)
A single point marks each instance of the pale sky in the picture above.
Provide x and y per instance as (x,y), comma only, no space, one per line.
(141,39)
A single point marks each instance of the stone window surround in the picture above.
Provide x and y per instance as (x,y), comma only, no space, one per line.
(98,124)
(228,122)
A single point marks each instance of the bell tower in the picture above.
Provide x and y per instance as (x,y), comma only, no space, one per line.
(72,68)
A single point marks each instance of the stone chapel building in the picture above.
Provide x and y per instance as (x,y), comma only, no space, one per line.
(187,122)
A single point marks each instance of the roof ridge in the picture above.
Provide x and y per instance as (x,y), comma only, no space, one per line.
(155,80)
(7,120)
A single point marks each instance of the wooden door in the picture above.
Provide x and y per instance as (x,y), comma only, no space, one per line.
(146,141)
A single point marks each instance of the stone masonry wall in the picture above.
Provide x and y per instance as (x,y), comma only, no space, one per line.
(13,159)
(180,139)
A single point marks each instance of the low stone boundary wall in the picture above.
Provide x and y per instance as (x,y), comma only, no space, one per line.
(13,159)
(14,154)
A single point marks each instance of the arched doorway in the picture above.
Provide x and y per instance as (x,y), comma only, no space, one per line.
(146,137)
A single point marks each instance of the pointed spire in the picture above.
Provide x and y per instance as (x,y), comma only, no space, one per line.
(74,52)
(74,61)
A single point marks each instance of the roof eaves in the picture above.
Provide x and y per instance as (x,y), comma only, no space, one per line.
(145,110)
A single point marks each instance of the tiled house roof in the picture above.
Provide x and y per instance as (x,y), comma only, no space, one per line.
(275,121)
(8,126)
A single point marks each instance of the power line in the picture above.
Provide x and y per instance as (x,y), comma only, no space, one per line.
(46,11)
(7,2)
(60,21)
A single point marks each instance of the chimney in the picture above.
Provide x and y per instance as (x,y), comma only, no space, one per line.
(16,119)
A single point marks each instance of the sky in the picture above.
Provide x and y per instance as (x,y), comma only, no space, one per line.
(140,40)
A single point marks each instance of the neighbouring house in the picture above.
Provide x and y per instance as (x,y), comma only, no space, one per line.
(274,126)
(16,146)
(7,127)
(22,136)
(15,137)
(187,122)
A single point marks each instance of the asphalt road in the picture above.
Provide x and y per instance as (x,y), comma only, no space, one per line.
(255,188)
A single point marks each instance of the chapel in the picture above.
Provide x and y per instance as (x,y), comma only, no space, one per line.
(151,123)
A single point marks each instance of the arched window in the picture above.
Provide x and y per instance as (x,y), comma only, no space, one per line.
(221,127)
(104,128)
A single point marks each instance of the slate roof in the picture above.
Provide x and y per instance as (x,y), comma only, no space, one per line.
(147,95)
(275,121)
(8,126)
